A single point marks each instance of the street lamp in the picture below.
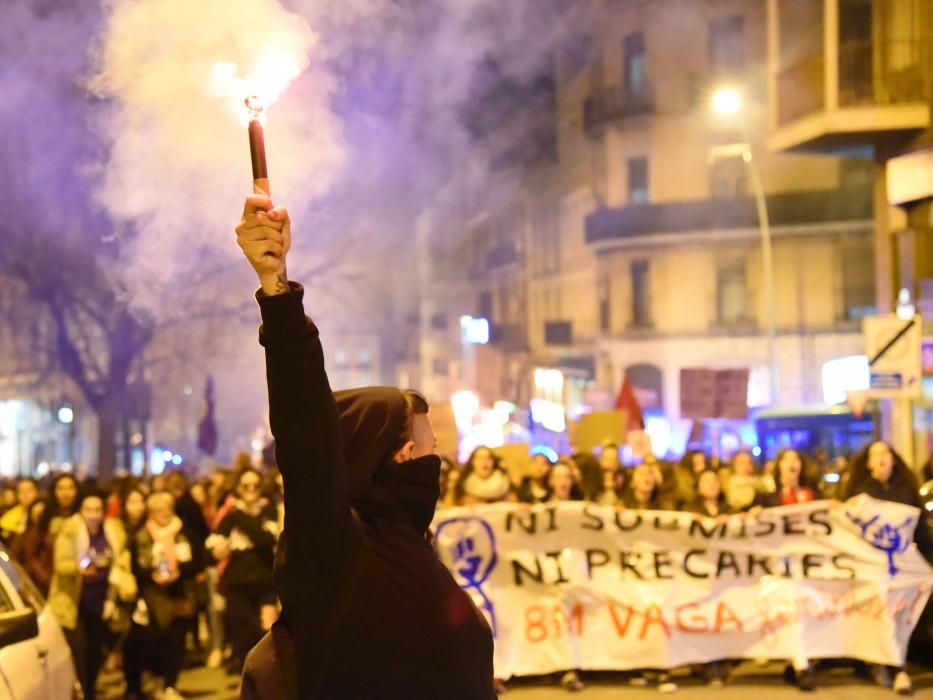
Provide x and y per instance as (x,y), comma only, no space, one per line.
(728,102)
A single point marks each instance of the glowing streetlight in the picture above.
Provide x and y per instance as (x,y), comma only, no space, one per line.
(727,100)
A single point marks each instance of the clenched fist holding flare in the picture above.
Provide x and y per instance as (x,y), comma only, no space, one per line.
(265,235)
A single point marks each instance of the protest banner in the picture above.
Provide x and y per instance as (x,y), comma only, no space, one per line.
(580,586)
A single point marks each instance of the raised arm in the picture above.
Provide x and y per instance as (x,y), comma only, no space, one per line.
(320,534)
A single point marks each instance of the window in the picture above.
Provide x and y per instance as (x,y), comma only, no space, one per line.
(728,178)
(441,367)
(634,65)
(439,322)
(638,180)
(641,295)
(858,281)
(605,307)
(558,332)
(732,293)
(363,360)
(727,46)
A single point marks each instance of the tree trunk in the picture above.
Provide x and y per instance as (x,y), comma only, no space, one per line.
(107,416)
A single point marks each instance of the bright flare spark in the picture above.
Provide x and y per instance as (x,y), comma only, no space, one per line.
(251,95)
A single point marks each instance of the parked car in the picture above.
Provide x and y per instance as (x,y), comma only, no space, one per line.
(35,661)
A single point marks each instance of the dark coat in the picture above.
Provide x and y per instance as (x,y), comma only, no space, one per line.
(34,550)
(250,567)
(372,611)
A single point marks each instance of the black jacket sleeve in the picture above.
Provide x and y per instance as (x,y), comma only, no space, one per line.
(321,536)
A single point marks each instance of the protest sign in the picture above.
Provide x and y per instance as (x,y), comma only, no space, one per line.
(575,585)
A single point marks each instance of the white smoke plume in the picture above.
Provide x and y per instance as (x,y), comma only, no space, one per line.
(178,164)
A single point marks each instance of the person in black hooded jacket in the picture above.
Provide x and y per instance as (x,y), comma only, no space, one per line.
(368,610)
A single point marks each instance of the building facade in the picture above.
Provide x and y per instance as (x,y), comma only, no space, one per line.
(632,248)
(855,77)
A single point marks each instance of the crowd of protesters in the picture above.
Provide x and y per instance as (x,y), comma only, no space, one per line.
(151,574)
(706,487)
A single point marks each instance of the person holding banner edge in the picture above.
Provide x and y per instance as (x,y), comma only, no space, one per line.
(371,611)
(882,473)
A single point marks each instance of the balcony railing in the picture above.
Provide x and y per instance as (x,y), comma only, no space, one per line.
(889,72)
(884,73)
(614,104)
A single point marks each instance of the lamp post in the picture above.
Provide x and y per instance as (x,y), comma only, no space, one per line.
(727,102)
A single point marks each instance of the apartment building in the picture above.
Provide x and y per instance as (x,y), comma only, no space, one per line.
(632,248)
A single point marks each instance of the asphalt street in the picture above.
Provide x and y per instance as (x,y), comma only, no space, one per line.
(750,682)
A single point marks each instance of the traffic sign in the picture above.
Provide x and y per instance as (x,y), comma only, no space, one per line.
(892,344)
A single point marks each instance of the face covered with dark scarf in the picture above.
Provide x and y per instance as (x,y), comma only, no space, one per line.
(375,424)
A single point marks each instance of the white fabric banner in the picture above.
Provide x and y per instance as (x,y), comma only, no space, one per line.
(575,585)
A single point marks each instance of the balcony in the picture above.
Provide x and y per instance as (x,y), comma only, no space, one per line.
(851,93)
(611,105)
(614,226)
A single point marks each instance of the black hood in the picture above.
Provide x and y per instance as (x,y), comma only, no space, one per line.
(371,424)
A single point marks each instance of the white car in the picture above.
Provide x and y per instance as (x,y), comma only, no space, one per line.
(35,661)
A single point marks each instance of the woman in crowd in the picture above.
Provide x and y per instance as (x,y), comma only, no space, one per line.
(137,650)
(167,567)
(483,480)
(535,488)
(38,548)
(791,484)
(710,502)
(643,493)
(246,538)
(882,473)
(589,476)
(742,482)
(33,549)
(560,484)
(682,489)
(62,503)
(14,521)
(91,573)
(7,498)
(609,457)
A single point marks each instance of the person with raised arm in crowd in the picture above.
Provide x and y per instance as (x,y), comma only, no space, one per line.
(368,610)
